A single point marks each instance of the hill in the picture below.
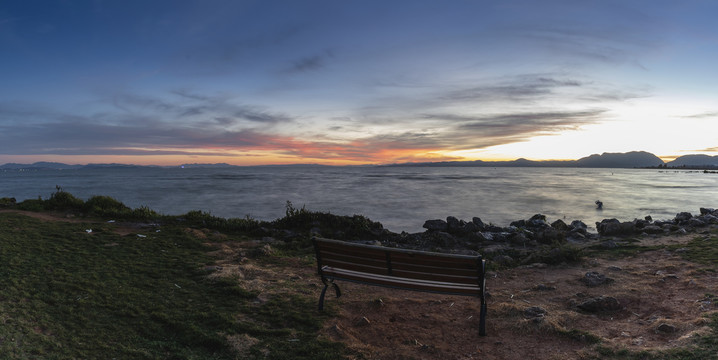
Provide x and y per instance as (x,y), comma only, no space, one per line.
(694,160)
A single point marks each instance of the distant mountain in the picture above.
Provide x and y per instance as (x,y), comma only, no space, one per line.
(696,160)
(631,159)
(634,159)
(43,165)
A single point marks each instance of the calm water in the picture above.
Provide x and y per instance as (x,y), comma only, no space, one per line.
(401,198)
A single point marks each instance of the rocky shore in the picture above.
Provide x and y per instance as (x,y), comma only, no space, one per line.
(530,240)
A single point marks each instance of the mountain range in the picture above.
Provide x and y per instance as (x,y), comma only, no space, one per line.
(634,159)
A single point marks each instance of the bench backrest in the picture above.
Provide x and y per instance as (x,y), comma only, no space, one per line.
(410,264)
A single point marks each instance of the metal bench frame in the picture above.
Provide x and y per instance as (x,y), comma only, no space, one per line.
(401,269)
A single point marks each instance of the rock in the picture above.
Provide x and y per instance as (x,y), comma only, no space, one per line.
(453,224)
(578,224)
(542,287)
(471,228)
(436,225)
(609,227)
(534,311)
(518,223)
(600,304)
(683,216)
(707,211)
(559,225)
(648,218)
(695,222)
(538,221)
(593,278)
(667,328)
(363,321)
(550,235)
(478,223)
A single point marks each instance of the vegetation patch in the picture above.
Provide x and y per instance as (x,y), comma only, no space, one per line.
(80,290)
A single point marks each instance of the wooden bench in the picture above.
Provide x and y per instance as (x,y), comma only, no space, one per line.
(401,269)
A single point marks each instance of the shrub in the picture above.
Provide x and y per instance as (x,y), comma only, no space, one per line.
(63,200)
(106,206)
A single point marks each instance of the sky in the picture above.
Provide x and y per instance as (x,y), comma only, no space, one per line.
(343,82)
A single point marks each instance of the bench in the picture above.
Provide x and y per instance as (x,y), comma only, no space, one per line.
(401,269)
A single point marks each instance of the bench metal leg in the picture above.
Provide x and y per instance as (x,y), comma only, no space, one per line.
(482,320)
(324,292)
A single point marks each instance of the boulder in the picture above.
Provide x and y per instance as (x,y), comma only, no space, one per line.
(610,227)
(538,221)
(593,278)
(453,224)
(478,223)
(708,211)
(577,226)
(559,225)
(436,225)
(600,304)
(683,216)
(534,312)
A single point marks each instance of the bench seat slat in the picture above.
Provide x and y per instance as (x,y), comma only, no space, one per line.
(442,268)
(403,283)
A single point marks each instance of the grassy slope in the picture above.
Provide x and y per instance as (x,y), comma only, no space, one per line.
(70,294)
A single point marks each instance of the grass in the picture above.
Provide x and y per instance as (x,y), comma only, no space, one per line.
(67,293)
(703,250)
(704,348)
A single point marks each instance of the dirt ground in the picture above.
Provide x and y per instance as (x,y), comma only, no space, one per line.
(663,299)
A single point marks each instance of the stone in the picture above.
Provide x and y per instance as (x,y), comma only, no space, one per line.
(707,211)
(478,223)
(453,223)
(559,225)
(363,321)
(667,328)
(534,311)
(683,216)
(436,225)
(593,278)
(609,227)
(600,304)
(538,221)
(695,222)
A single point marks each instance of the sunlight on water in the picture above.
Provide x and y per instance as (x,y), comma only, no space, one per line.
(401,198)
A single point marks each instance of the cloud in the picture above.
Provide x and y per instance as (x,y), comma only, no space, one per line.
(197,106)
(705,115)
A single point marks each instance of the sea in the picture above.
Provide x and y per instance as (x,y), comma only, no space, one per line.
(401,198)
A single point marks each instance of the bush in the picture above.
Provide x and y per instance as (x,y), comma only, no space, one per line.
(63,200)
(106,206)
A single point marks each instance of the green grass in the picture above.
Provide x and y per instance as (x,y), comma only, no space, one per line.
(69,294)
(703,250)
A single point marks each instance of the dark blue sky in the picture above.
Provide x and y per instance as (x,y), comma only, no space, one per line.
(249,82)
